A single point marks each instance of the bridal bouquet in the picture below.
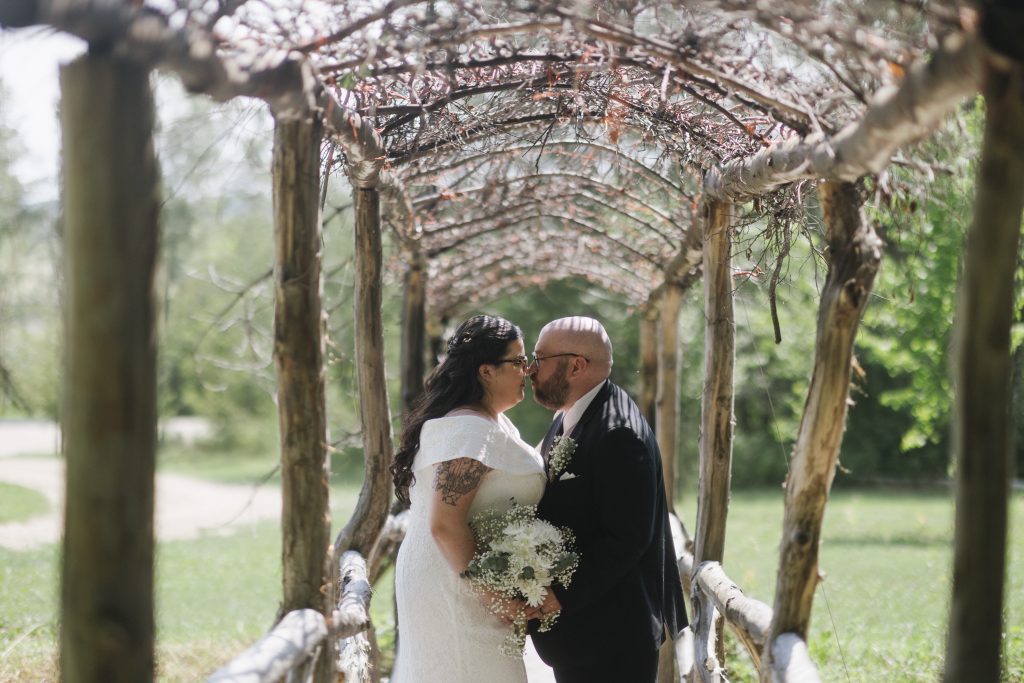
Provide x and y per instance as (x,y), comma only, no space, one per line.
(517,556)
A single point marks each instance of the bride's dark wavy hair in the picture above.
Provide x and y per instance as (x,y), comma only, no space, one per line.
(480,340)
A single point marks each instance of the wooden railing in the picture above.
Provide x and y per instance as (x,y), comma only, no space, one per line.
(291,649)
(749,619)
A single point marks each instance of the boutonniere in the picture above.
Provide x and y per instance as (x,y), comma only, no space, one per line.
(562,449)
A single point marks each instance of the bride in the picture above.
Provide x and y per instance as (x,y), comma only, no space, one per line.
(460,455)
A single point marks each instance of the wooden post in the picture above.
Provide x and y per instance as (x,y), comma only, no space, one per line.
(111,206)
(717,400)
(298,356)
(414,328)
(649,363)
(306,550)
(983,370)
(371,511)
(716,428)
(666,409)
(667,413)
(855,252)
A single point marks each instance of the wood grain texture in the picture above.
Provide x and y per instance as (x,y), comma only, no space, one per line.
(362,530)
(983,371)
(667,405)
(855,252)
(111,207)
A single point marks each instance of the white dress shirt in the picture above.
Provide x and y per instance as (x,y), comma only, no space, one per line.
(576,410)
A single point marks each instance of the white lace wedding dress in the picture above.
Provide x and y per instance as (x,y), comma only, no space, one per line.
(445,633)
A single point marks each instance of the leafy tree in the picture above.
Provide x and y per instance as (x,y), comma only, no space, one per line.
(29,313)
(770,380)
(907,330)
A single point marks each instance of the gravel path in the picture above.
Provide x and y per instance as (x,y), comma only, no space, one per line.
(185,507)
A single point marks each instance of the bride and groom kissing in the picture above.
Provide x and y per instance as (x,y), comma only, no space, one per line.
(460,456)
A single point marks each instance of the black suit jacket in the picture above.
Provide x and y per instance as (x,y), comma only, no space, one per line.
(626,589)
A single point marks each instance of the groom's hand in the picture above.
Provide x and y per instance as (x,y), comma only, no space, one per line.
(551,605)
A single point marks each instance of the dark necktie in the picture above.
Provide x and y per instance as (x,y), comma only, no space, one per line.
(554,432)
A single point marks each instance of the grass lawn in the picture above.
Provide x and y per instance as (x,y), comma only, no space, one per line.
(880,614)
(18,503)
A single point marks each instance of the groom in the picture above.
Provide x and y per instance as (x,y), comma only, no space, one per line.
(605,485)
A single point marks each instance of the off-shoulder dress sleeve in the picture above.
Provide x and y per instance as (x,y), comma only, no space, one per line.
(477,438)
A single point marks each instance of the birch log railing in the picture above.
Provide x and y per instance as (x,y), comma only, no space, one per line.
(748,618)
(292,649)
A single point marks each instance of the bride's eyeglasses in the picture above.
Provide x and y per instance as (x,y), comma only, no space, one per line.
(521,362)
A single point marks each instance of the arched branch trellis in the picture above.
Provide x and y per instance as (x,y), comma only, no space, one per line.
(684,81)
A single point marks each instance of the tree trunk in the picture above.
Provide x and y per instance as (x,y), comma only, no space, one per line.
(854,255)
(414,329)
(435,339)
(663,350)
(371,511)
(717,400)
(983,370)
(649,363)
(306,551)
(111,232)
(716,418)
(667,413)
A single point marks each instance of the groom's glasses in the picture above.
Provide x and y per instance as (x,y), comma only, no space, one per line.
(521,362)
(537,359)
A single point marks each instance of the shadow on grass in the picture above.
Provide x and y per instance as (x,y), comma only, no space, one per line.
(908,540)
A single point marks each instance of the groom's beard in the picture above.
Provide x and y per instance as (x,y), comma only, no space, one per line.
(552,393)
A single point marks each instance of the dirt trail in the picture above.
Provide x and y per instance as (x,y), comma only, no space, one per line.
(185,507)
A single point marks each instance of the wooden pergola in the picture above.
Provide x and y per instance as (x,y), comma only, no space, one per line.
(506,145)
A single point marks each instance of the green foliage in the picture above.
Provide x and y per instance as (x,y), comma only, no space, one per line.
(770,380)
(907,329)
(216,251)
(29,320)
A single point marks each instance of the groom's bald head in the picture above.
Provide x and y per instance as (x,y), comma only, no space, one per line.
(585,336)
(580,354)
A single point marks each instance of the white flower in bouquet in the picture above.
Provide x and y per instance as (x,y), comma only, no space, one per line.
(517,557)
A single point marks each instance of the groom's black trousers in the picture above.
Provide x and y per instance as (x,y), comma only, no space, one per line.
(613,667)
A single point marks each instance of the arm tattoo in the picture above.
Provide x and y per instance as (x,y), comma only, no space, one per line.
(456,478)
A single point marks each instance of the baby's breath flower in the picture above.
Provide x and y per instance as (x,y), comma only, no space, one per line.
(517,557)
(562,449)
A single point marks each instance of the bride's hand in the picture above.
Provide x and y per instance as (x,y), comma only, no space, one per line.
(506,609)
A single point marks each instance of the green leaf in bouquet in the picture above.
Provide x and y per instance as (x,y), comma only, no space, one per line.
(497,563)
(564,562)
